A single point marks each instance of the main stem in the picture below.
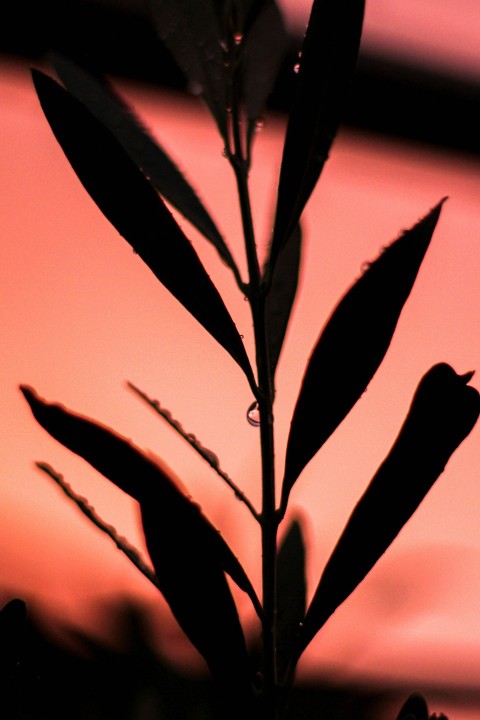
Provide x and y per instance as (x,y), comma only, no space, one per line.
(269,522)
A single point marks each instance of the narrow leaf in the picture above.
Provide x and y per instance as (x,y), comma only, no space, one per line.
(188,554)
(281,296)
(134,208)
(265,47)
(353,344)
(204,452)
(89,511)
(190,31)
(443,412)
(327,62)
(111,110)
(291,594)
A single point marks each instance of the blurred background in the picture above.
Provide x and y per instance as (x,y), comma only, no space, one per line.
(80,315)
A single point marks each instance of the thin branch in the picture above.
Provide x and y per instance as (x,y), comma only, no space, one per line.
(195,443)
(89,511)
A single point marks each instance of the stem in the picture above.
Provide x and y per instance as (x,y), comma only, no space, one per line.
(264,397)
(269,520)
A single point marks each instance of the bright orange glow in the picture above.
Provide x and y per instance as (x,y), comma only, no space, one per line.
(80,315)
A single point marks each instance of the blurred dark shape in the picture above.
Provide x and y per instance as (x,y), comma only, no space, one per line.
(12,641)
(116,37)
(62,672)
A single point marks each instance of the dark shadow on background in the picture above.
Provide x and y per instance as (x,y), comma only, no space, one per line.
(116,37)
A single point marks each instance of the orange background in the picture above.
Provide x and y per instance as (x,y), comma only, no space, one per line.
(80,314)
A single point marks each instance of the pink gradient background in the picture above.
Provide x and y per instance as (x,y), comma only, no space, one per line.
(80,314)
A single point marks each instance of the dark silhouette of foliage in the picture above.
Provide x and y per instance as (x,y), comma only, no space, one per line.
(229,53)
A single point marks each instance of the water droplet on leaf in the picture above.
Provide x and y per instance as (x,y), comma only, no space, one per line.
(195,87)
(238,38)
(260,123)
(211,457)
(253,415)
(296,68)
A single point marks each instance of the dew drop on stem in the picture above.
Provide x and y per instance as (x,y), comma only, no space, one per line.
(253,415)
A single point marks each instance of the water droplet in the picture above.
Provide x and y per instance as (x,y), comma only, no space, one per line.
(211,457)
(238,38)
(253,415)
(224,45)
(225,152)
(260,123)
(365,266)
(242,336)
(195,87)
(296,68)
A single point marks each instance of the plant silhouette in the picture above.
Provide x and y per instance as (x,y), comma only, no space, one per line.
(230,53)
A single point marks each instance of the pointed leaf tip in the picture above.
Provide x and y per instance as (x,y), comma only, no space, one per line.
(353,344)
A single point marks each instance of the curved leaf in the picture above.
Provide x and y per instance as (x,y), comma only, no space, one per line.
(111,110)
(281,296)
(328,59)
(443,412)
(353,344)
(190,31)
(291,593)
(189,556)
(134,208)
